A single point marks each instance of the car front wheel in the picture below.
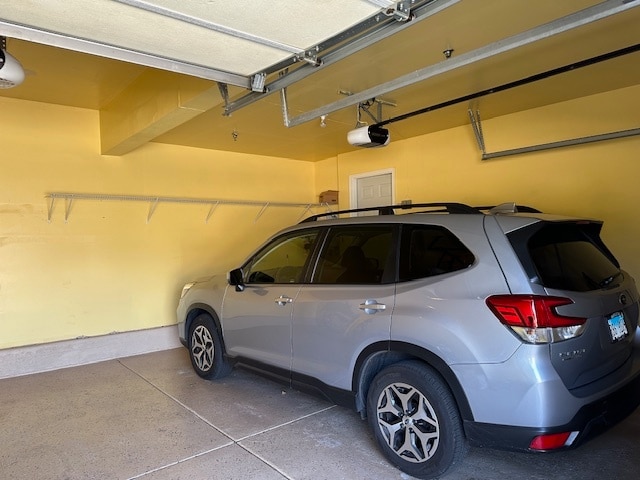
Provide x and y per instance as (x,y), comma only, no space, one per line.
(415,420)
(205,349)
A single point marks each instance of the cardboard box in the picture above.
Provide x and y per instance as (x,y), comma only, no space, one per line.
(330,197)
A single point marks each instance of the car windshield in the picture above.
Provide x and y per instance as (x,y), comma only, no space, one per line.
(569,257)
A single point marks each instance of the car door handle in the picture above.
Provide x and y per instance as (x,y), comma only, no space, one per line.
(372,306)
(282,300)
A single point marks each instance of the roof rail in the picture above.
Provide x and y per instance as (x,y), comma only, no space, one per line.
(390,210)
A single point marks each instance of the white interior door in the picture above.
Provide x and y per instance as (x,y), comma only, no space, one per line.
(372,190)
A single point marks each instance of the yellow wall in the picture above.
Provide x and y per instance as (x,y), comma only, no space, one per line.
(106,269)
(596,180)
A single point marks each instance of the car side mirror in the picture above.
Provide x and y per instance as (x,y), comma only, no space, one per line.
(236,278)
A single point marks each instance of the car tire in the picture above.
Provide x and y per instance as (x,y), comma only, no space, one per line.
(415,420)
(205,349)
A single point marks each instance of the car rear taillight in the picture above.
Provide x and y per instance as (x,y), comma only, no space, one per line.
(534,317)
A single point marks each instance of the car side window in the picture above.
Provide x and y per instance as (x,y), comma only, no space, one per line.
(428,250)
(283,260)
(354,255)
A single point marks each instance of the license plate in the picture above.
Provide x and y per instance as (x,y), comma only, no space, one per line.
(617,327)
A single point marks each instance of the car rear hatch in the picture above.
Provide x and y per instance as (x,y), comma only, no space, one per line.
(568,259)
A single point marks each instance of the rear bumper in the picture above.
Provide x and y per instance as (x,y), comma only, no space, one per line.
(591,420)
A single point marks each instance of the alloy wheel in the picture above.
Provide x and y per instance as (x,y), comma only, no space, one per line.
(408,422)
(202,348)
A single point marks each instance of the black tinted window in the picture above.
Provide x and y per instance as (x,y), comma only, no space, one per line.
(355,255)
(431,250)
(568,257)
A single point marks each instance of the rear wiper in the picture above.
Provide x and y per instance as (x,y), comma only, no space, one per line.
(608,280)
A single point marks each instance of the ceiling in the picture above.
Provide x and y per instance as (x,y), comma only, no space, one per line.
(154,69)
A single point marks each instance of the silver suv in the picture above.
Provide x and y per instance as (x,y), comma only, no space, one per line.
(500,327)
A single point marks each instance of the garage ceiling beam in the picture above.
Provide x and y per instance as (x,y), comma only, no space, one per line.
(155,103)
(564,24)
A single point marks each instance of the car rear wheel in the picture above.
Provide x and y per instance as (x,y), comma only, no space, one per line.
(415,420)
(205,349)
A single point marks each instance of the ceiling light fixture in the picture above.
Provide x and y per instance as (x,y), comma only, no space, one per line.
(11,72)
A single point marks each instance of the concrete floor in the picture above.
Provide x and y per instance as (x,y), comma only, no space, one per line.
(151,417)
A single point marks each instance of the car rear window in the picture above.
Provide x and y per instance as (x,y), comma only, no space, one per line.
(571,256)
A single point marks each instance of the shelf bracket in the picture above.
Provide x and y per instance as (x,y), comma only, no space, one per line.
(211,210)
(262,210)
(52,201)
(68,203)
(152,208)
(304,212)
